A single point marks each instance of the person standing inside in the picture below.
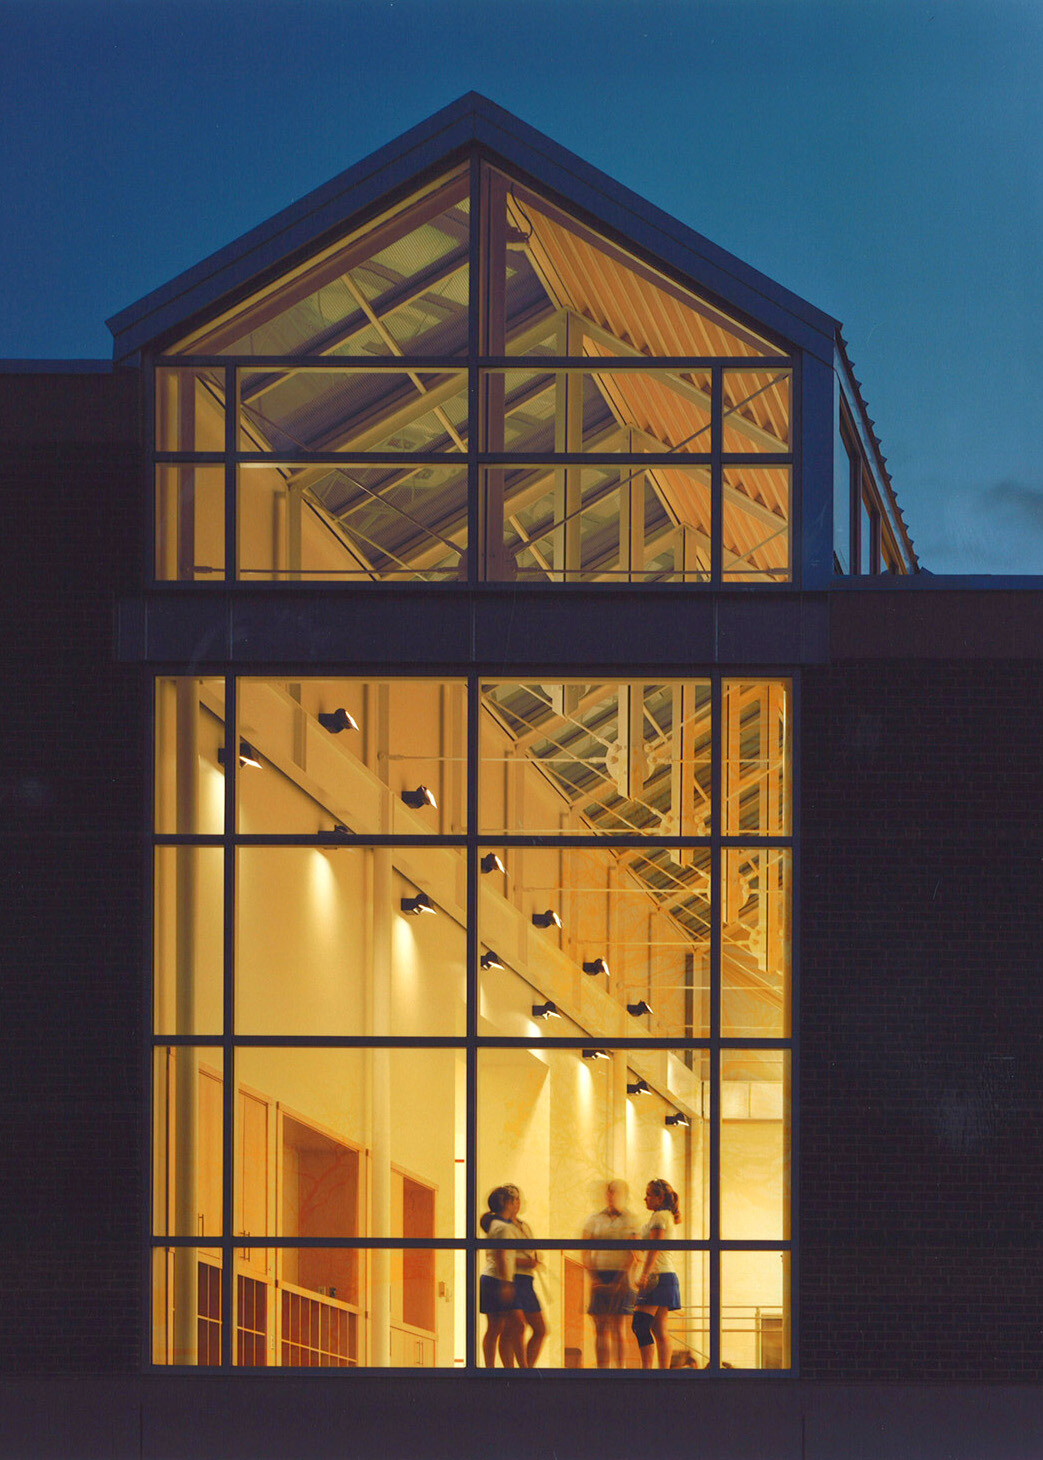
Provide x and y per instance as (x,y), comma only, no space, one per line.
(496,1297)
(611,1294)
(658,1291)
(527,1309)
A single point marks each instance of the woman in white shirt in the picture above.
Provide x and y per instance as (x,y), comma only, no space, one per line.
(496,1284)
(658,1291)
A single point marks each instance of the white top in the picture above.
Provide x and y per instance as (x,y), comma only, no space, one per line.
(504,1231)
(619,1226)
(659,1226)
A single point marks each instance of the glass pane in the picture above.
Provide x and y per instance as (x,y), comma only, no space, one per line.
(186,1306)
(865,538)
(842,469)
(190,409)
(755,1310)
(190,731)
(617,939)
(189,940)
(342,522)
(755,1144)
(187,1142)
(568,1310)
(554,265)
(755,943)
(624,523)
(756,757)
(397,286)
(338,409)
(351,940)
(190,523)
(757,410)
(373,757)
(561,1123)
(756,524)
(629,411)
(325,1139)
(343,1307)
(619,758)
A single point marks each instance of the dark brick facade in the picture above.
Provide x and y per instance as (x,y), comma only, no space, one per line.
(921,1166)
(921,1019)
(71,788)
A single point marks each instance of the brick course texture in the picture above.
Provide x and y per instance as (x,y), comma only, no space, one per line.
(72,789)
(921,1164)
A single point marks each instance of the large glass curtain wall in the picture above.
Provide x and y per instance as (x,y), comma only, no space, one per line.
(475,386)
(418,940)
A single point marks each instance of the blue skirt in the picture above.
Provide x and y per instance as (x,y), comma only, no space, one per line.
(525,1293)
(665,1294)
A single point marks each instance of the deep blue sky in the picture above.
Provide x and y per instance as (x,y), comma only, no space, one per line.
(885,160)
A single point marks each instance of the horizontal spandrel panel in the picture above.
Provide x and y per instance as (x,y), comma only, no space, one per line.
(755,1310)
(340,409)
(397,286)
(373,757)
(757,547)
(347,940)
(317,1307)
(550,1309)
(611,524)
(617,939)
(190,524)
(325,1139)
(559,1124)
(619,758)
(757,757)
(398,523)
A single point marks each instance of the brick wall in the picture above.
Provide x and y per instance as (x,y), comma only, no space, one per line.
(71,795)
(922,994)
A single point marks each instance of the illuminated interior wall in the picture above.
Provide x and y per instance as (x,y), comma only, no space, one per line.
(350,923)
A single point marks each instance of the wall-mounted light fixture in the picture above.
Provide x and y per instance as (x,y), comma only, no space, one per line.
(595,965)
(678,1118)
(545,1011)
(596,1054)
(548,919)
(492,863)
(419,904)
(247,755)
(639,1087)
(337,720)
(639,1008)
(420,797)
(491,960)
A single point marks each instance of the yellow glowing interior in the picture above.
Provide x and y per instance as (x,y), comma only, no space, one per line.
(339,1143)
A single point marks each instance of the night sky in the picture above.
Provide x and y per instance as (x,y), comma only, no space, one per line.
(885,160)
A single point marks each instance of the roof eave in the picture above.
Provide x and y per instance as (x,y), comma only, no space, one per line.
(472,121)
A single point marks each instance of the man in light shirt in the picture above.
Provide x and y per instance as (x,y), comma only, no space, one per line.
(611,1291)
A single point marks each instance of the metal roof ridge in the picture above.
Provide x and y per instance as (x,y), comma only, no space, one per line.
(471,119)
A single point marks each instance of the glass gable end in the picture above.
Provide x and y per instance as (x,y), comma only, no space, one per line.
(569,415)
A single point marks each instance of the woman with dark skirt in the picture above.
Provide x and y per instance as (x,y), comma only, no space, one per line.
(658,1291)
(496,1298)
(527,1304)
